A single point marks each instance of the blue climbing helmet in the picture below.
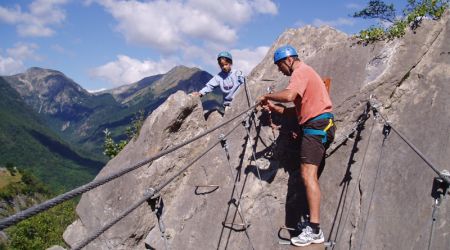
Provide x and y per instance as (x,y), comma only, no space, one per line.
(283,52)
(225,54)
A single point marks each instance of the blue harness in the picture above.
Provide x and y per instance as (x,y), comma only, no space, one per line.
(323,133)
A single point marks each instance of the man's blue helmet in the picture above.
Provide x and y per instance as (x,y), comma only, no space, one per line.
(225,54)
(283,52)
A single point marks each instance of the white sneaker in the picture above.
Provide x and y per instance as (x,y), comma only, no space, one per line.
(307,237)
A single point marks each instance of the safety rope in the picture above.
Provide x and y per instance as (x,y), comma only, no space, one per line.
(247,124)
(340,233)
(386,132)
(238,203)
(346,136)
(375,106)
(357,129)
(16,218)
(148,194)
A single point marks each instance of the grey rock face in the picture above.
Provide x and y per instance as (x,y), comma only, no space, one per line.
(178,119)
(373,196)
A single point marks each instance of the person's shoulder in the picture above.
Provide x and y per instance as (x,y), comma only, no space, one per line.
(302,69)
(305,67)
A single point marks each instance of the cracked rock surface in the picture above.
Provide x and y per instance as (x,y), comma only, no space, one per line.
(374,195)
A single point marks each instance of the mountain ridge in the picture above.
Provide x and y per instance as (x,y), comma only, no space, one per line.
(81,117)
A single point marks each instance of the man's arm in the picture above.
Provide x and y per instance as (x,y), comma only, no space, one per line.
(280,109)
(286,95)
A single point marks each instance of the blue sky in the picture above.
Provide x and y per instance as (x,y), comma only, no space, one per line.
(107,43)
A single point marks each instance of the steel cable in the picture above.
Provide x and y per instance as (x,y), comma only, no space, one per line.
(150,193)
(412,146)
(16,218)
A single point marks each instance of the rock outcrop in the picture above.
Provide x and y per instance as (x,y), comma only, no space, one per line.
(373,196)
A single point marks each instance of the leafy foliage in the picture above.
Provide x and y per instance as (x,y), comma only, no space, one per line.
(29,185)
(43,230)
(414,13)
(377,9)
(111,148)
(40,231)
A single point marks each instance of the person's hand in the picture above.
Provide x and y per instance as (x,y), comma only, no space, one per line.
(196,94)
(262,100)
(264,103)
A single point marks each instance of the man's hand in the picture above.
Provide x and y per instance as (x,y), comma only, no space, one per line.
(266,104)
(262,100)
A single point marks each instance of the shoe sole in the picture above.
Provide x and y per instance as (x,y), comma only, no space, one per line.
(309,243)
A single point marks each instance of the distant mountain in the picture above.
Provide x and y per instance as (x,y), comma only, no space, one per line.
(27,142)
(80,117)
(125,91)
(51,92)
(161,86)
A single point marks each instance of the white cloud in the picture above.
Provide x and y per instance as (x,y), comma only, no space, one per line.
(95,90)
(126,70)
(334,23)
(13,61)
(10,66)
(38,21)
(265,6)
(23,51)
(173,25)
(247,59)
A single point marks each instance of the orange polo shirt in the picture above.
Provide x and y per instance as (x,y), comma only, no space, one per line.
(313,98)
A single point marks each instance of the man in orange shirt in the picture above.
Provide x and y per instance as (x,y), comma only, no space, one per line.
(313,109)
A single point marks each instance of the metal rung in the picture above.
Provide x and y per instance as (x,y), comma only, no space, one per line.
(198,186)
(214,188)
(232,226)
(329,243)
(284,242)
(288,228)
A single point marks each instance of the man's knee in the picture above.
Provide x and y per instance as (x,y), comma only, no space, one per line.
(308,172)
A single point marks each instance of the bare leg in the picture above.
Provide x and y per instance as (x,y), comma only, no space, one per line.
(311,182)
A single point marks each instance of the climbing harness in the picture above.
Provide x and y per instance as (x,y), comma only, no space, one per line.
(323,133)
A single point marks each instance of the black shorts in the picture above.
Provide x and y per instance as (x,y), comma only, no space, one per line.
(312,150)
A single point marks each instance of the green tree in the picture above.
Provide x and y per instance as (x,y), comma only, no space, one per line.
(377,9)
(414,13)
(111,148)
